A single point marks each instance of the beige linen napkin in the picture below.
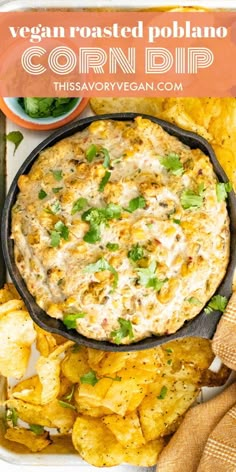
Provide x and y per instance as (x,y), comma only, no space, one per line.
(206,440)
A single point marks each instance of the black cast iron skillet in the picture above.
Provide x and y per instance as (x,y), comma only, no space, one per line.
(202,325)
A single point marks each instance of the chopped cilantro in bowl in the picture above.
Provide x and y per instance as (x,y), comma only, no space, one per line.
(40,107)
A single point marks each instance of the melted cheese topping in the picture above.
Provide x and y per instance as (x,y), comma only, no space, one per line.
(186,249)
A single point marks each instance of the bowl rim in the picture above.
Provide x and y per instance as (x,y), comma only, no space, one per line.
(202,325)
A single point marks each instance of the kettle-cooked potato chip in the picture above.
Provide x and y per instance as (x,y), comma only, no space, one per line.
(28,438)
(95,442)
(52,415)
(146,455)
(127,430)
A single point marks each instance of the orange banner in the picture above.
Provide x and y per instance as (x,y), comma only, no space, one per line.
(113,54)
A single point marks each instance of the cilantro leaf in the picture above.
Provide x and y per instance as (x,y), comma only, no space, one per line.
(93,235)
(12,416)
(194,301)
(54,209)
(176,221)
(36,428)
(136,203)
(191,199)
(136,253)
(104,181)
(112,211)
(148,278)
(59,232)
(42,107)
(169,350)
(172,163)
(69,319)
(96,217)
(57,174)
(100,266)
(90,378)
(79,205)
(222,190)
(163,393)
(91,152)
(107,159)
(70,395)
(66,405)
(125,330)
(55,238)
(38,107)
(62,229)
(112,246)
(15,137)
(57,189)
(217,303)
(42,194)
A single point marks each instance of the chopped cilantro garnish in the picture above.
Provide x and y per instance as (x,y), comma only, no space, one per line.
(191,199)
(169,350)
(93,235)
(57,189)
(15,137)
(172,163)
(222,190)
(104,181)
(42,194)
(194,301)
(37,429)
(112,246)
(169,362)
(177,222)
(96,217)
(163,393)
(148,278)
(60,232)
(112,211)
(100,266)
(217,303)
(107,160)
(70,395)
(54,209)
(79,205)
(90,378)
(62,229)
(66,405)
(91,152)
(42,107)
(12,416)
(57,174)
(55,238)
(135,204)
(136,253)
(125,330)
(69,319)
